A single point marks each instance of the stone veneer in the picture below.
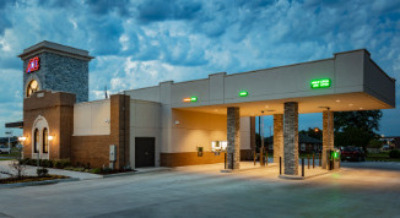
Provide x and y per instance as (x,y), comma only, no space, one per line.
(291,138)
(233,137)
(61,68)
(327,135)
(278,137)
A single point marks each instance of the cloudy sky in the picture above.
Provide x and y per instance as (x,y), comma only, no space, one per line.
(140,43)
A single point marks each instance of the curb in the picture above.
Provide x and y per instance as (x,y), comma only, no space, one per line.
(45,182)
(246,169)
(291,177)
(134,173)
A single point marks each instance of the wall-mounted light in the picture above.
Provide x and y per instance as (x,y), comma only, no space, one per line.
(21,138)
(50,137)
(190,99)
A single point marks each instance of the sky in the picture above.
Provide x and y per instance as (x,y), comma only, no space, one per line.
(141,43)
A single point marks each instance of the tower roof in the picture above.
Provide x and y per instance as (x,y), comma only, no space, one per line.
(46,46)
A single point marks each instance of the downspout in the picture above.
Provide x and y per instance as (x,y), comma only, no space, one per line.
(124,110)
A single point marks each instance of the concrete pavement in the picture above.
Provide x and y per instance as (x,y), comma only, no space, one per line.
(199,192)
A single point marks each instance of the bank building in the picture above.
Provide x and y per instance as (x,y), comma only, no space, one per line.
(187,123)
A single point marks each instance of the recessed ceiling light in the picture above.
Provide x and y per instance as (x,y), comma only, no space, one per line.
(266,106)
(361,108)
(338,100)
(351,105)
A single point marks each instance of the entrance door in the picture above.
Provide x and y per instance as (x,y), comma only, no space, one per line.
(145,151)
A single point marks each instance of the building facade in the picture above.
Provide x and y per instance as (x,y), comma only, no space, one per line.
(193,122)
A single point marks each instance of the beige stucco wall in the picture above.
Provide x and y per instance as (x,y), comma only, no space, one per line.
(145,121)
(350,72)
(92,118)
(194,129)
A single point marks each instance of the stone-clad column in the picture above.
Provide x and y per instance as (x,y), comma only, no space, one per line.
(252,135)
(278,137)
(291,138)
(233,136)
(327,135)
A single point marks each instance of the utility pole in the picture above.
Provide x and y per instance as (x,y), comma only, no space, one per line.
(9,133)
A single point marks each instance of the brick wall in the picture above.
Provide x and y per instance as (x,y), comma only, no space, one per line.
(57,109)
(190,158)
(95,149)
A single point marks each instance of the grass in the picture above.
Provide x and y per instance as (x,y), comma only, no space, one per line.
(5,159)
(382,156)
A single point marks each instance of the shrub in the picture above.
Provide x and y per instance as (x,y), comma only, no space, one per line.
(45,163)
(394,154)
(58,164)
(95,171)
(42,172)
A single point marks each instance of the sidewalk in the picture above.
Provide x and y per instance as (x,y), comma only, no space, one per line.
(31,171)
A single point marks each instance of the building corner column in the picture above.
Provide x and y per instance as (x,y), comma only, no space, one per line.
(327,136)
(233,137)
(291,138)
(278,137)
(253,134)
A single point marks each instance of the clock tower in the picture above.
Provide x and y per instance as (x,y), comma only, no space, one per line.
(55,67)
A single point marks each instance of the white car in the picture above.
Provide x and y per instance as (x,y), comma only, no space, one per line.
(4,149)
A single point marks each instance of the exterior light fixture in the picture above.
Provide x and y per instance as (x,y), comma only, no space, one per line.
(21,138)
(320,83)
(50,137)
(243,93)
(190,99)
(316,129)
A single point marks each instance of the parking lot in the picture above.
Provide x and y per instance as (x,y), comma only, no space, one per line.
(358,190)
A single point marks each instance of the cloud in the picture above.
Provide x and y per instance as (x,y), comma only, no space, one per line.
(160,10)
(140,43)
(104,7)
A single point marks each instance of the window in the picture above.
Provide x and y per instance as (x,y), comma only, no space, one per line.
(45,140)
(32,87)
(35,141)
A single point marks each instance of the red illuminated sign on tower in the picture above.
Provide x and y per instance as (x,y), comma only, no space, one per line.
(33,65)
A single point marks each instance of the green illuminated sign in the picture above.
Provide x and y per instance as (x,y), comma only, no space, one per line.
(320,83)
(190,99)
(243,93)
(335,154)
(193,99)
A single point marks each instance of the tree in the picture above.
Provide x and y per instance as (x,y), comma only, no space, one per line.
(356,127)
(312,132)
(18,164)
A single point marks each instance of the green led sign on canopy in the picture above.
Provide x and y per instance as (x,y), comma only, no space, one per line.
(320,83)
(243,93)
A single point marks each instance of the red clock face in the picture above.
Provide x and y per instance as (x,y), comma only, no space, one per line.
(33,65)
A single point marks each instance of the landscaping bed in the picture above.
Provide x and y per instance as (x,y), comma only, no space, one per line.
(23,179)
(65,164)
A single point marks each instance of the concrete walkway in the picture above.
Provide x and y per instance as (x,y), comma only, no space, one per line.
(31,171)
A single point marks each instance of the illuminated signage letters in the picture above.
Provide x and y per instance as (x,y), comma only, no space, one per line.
(33,65)
(190,99)
(320,83)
